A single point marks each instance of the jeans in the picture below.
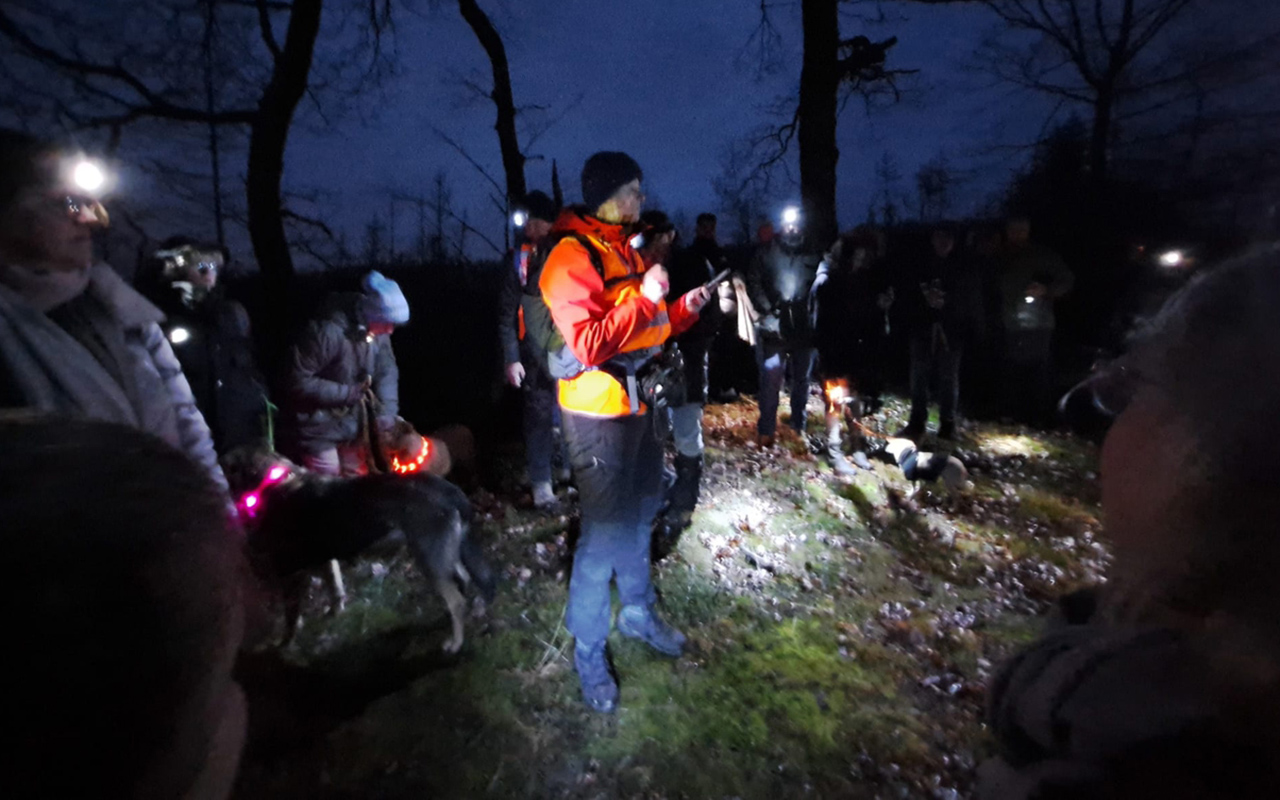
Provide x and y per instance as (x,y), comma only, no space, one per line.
(541,417)
(338,461)
(686,429)
(933,360)
(771,357)
(617,463)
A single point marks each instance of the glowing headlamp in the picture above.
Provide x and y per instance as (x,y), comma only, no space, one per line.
(791,215)
(1172,258)
(88,176)
(1029,299)
(519,218)
(179,336)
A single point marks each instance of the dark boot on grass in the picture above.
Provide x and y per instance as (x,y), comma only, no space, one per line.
(639,622)
(599,689)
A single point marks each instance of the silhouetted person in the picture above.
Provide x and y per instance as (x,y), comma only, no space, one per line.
(124,583)
(779,279)
(1167,682)
(210,335)
(1032,279)
(942,308)
(523,325)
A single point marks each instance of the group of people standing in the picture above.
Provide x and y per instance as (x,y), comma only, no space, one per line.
(599,295)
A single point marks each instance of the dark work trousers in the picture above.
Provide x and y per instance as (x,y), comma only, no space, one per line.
(541,415)
(935,363)
(1027,383)
(617,463)
(771,358)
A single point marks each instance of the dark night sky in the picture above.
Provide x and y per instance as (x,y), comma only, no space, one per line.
(662,81)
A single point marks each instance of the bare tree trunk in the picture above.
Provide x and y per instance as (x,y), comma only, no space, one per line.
(512,158)
(819,87)
(210,105)
(557,193)
(267,141)
(1100,136)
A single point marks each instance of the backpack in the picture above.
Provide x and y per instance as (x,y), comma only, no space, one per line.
(540,329)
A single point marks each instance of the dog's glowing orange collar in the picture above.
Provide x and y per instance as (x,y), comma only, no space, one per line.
(413,464)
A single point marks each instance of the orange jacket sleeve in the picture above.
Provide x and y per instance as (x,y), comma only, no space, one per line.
(682,317)
(574,291)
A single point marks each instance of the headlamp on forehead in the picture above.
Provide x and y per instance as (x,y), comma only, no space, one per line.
(82,175)
(791,216)
(519,218)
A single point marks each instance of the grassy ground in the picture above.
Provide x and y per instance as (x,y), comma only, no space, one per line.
(841,634)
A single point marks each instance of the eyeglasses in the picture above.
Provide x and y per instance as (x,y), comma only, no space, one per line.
(77,204)
(205,267)
(1109,390)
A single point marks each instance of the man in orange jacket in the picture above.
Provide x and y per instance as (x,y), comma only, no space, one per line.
(613,315)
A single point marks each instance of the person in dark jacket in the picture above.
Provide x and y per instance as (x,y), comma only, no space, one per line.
(525,359)
(688,269)
(75,339)
(847,306)
(942,307)
(778,282)
(343,383)
(211,337)
(1166,683)
(1032,279)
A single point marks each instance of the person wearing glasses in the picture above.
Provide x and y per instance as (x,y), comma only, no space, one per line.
(75,338)
(210,334)
(1165,681)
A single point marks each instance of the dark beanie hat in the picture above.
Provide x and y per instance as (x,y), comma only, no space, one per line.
(656,222)
(604,174)
(540,206)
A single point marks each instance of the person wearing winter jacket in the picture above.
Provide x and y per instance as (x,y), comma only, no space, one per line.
(778,282)
(847,305)
(525,359)
(211,337)
(614,317)
(343,382)
(75,338)
(942,308)
(1165,681)
(1032,279)
(688,268)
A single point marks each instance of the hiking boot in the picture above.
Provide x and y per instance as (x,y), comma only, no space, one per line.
(599,689)
(860,459)
(639,622)
(544,496)
(839,463)
(766,440)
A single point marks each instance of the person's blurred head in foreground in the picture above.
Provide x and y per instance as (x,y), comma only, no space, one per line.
(1191,465)
(123,596)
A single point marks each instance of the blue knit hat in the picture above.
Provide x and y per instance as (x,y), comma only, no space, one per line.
(383,302)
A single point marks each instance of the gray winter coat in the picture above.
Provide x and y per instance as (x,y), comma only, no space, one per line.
(327,365)
(42,367)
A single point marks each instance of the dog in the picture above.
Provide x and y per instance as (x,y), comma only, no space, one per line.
(921,467)
(297,522)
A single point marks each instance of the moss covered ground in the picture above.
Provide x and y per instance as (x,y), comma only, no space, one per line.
(842,632)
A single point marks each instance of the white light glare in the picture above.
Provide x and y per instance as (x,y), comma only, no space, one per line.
(88,176)
(1173,258)
(790,215)
(179,335)
(519,219)
(1030,299)
(637,241)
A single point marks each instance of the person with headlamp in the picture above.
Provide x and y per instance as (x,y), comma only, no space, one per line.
(778,282)
(75,338)
(523,325)
(210,335)
(612,312)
